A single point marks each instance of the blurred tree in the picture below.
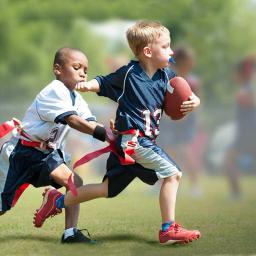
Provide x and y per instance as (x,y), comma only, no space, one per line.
(32,30)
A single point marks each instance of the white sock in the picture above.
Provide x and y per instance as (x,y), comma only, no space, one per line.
(68,232)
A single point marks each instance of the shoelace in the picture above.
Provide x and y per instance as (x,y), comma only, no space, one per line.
(177,227)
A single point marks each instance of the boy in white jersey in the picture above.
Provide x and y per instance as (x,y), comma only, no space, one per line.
(36,156)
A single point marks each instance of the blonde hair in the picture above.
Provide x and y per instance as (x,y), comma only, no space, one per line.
(142,33)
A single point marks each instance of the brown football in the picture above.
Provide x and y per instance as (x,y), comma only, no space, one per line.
(178,91)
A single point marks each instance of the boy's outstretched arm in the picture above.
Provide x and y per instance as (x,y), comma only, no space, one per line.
(96,130)
(91,86)
(190,105)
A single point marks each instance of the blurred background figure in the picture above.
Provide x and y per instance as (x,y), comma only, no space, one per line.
(240,157)
(183,139)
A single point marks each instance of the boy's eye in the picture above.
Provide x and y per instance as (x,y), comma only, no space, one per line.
(76,66)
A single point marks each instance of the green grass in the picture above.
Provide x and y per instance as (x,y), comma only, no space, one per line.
(128,224)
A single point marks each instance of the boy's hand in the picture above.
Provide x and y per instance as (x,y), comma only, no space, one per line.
(110,136)
(190,105)
(90,86)
(111,133)
(112,126)
(83,87)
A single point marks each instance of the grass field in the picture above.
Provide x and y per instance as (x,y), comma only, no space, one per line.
(128,224)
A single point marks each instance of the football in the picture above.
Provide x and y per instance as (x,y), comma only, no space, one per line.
(178,91)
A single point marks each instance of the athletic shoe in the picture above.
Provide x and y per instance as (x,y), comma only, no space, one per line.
(78,237)
(48,207)
(178,235)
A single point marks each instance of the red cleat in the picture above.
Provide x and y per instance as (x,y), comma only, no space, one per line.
(178,235)
(48,207)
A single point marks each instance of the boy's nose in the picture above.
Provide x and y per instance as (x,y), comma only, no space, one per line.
(82,74)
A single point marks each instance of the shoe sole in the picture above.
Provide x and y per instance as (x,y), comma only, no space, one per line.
(45,199)
(189,240)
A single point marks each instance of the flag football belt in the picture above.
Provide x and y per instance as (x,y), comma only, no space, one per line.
(8,126)
(133,132)
(35,144)
(26,140)
(124,160)
(5,129)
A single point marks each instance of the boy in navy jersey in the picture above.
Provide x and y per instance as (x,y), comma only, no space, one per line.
(36,156)
(139,90)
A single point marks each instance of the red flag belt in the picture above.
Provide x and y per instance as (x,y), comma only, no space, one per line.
(125,159)
(5,129)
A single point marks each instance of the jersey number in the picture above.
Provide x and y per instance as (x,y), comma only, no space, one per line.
(149,131)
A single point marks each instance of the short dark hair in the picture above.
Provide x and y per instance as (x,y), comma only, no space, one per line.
(60,55)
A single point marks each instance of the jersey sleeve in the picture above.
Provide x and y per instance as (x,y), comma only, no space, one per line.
(54,104)
(111,85)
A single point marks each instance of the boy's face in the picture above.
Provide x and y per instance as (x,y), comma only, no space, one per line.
(73,70)
(161,51)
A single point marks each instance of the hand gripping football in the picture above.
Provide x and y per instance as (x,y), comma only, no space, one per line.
(178,91)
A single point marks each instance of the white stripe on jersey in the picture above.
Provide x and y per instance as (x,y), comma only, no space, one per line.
(124,83)
(169,87)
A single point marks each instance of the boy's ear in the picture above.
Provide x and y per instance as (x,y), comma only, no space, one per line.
(56,69)
(147,51)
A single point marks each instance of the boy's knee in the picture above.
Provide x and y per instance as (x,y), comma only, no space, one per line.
(2,212)
(78,180)
(175,177)
(178,176)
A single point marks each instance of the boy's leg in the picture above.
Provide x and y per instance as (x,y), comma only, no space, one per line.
(167,197)
(71,234)
(116,180)
(150,156)
(172,232)
(60,175)
(87,193)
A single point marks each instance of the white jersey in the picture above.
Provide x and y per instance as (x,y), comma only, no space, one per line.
(44,119)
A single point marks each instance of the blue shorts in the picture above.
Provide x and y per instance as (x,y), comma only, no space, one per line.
(152,163)
(25,165)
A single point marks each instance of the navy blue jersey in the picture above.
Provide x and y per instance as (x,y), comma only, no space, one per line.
(140,98)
